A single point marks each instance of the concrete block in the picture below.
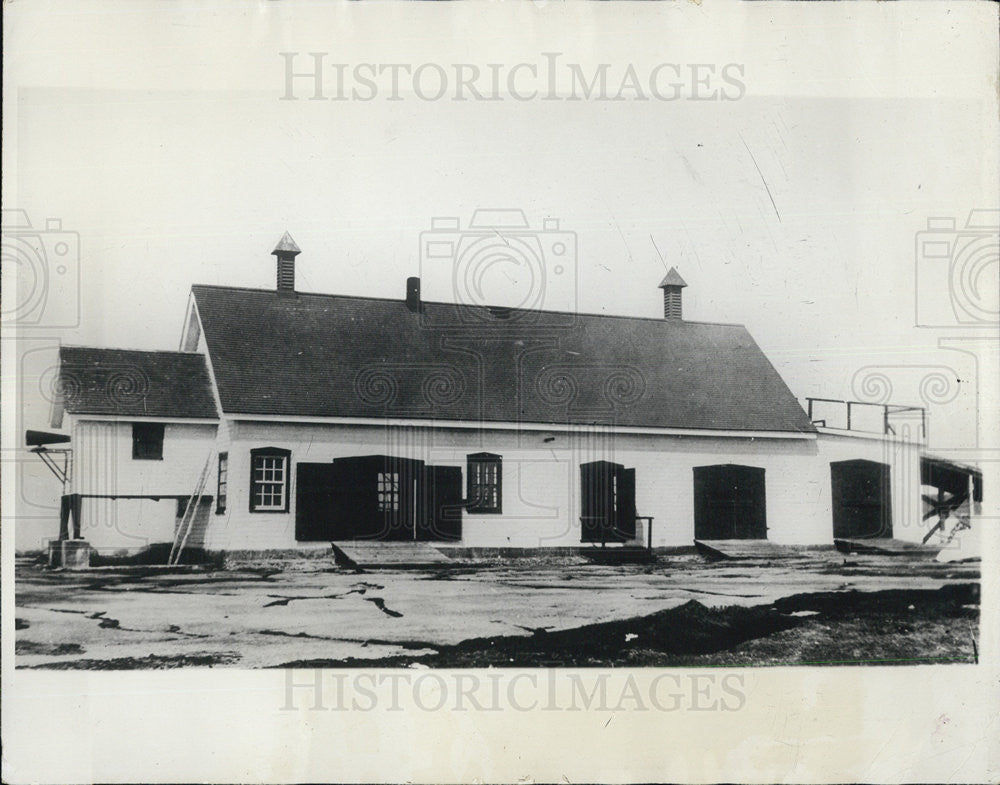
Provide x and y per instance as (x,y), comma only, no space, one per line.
(71,554)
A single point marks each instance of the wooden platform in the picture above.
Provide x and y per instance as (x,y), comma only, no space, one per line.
(619,555)
(742,549)
(887,547)
(387,554)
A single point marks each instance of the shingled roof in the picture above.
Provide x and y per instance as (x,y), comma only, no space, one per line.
(131,383)
(338,356)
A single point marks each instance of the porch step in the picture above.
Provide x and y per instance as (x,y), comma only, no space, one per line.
(743,549)
(886,546)
(384,554)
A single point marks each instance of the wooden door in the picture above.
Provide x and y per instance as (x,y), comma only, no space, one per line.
(607,502)
(398,497)
(442,520)
(861,499)
(315,502)
(625,507)
(729,503)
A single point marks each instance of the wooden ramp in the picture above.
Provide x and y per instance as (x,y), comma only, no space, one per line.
(885,546)
(398,555)
(742,549)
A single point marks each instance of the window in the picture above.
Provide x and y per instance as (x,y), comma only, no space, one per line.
(388,491)
(223,486)
(269,479)
(147,441)
(485,481)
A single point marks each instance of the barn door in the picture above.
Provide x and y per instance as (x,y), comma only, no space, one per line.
(607,502)
(376,497)
(443,517)
(315,502)
(399,484)
(861,499)
(729,503)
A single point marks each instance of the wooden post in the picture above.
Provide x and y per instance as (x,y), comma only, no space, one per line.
(64,505)
(76,512)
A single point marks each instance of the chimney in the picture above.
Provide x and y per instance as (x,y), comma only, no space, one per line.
(413,294)
(671,285)
(286,250)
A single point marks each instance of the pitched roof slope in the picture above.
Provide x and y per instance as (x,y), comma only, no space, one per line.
(125,382)
(331,355)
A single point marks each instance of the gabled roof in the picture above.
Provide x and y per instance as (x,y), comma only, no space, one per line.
(125,382)
(337,356)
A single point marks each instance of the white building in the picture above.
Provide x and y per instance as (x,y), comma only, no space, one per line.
(291,420)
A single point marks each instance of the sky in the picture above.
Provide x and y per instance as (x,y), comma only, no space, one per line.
(159,136)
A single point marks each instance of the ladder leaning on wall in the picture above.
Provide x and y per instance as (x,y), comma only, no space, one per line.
(183,530)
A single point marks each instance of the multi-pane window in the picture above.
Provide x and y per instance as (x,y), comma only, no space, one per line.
(485,481)
(147,441)
(269,480)
(388,491)
(223,486)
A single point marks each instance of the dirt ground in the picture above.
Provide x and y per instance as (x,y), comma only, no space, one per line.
(819,607)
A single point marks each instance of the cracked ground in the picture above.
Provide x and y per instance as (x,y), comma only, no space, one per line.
(311,611)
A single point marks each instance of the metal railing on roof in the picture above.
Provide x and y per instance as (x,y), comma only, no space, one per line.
(847,412)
